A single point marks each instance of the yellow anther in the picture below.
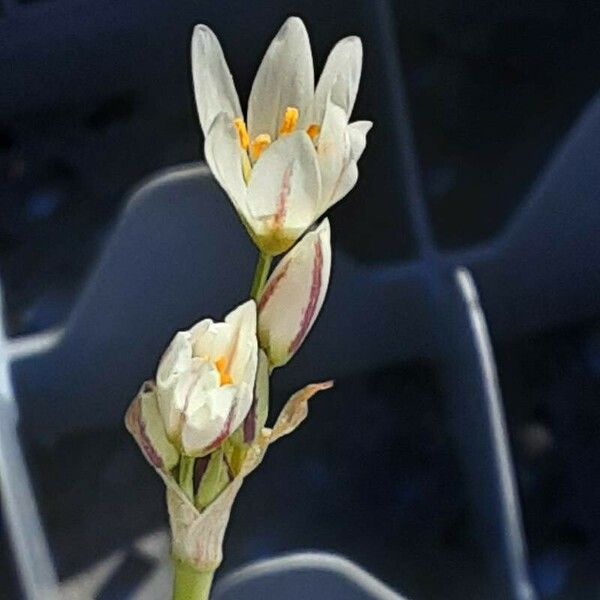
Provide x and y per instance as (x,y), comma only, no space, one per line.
(221,366)
(313,131)
(290,118)
(259,145)
(242,133)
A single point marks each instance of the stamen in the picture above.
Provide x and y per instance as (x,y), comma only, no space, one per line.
(242,133)
(246,168)
(261,142)
(290,118)
(221,366)
(313,131)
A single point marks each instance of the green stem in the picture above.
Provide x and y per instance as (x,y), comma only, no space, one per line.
(190,584)
(260,275)
(186,476)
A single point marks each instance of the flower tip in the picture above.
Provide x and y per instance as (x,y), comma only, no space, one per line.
(354,41)
(203,38)
(351,47)
(324,229)
(322,233)
(293,21)
(201,30)
(292,25)
(247,308)
(247,312)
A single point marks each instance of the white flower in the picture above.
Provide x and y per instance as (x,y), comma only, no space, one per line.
(292,297)
(205,380)
(297,155)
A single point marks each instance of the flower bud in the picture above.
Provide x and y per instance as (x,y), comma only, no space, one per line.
(205,380)
(293,296)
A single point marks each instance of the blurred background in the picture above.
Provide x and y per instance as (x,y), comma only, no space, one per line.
(96,97)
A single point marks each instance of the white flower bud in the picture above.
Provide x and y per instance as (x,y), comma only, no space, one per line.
(205,380)
(292,297)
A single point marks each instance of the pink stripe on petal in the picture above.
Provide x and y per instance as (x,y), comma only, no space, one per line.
(313,299)
(249,427)
(282,198)
(225,431)
(272,286)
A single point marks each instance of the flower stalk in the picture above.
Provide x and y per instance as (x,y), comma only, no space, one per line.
(186,476)
(190,584)
(260,275)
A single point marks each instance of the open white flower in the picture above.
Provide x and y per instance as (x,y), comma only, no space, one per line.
(205,380)
(293,295)
(297,155)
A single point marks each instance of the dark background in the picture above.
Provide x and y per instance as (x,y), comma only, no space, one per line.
(94,97)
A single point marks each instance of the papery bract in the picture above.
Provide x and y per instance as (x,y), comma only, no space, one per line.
(298,154)
(293,295)
(205,380)
(144,422)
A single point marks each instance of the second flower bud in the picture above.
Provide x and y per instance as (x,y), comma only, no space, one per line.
(205,380)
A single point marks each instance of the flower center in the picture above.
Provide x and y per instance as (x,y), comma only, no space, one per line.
(254,148)
(221,366)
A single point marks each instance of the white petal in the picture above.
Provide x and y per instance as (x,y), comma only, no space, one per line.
(198,330)
(243,317)
(286,185)
(216,342)
(284,78)
(357,135)
(340,78)
(210,421)
(213,84)
(244,398)
(176,360)
(333,151)
(347,181)
(357,132)
(205,377)
(224,157)
(294,294)
(243,354)
(171,403)
(172,380)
